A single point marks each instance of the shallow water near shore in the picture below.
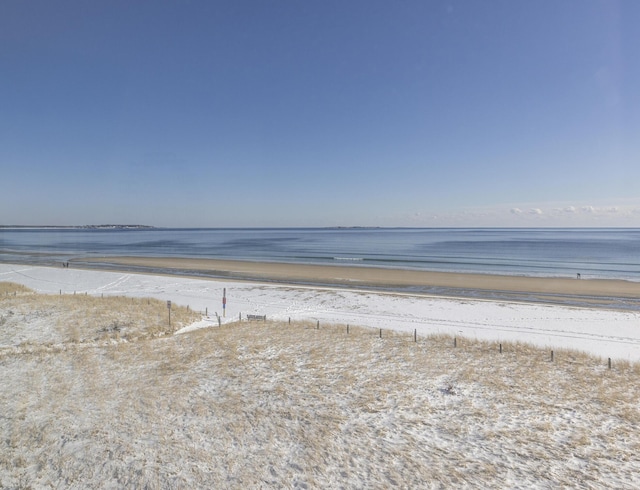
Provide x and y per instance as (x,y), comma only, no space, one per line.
(596,253)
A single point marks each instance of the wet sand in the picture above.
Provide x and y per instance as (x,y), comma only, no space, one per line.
(370,277)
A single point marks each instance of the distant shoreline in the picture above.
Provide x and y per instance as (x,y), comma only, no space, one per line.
(76,227)
(607,293)
(335,227)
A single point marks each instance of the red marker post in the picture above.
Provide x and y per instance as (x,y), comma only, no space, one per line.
(224,302)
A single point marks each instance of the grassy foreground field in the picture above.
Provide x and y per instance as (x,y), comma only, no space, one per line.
(96,393)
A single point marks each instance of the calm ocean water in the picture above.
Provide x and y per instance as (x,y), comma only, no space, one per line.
(594,253)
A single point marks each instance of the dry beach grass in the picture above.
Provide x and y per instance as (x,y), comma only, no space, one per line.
(262,404)
(69,318)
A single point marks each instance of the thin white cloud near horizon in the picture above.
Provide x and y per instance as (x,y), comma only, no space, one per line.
(625,213)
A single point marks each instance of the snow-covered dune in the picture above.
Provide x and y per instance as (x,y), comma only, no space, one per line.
(605,333)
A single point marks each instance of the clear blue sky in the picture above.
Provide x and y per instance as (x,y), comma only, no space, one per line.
(320,113)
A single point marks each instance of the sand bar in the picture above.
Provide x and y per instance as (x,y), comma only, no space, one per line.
(354,276)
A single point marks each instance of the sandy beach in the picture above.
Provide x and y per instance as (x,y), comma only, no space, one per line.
(598,292)
(607,328)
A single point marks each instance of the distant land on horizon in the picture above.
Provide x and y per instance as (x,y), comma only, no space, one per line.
(90,227)
(337,227)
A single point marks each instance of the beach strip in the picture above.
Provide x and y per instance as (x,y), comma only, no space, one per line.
(374,277)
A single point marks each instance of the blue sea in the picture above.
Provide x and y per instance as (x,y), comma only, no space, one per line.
(591,252)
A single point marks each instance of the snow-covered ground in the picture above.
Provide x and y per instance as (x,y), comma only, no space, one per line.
(272,405)
(605,333)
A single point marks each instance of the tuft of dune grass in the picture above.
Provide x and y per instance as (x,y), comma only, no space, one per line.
(272,405)
(12,288)
(27,318)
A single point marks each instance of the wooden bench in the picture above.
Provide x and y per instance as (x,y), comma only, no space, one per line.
(257,317)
